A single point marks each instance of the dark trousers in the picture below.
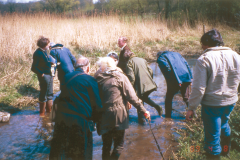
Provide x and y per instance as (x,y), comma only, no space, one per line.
(116,136)
(171,91)
(146,99)
(71,143)
(46,88)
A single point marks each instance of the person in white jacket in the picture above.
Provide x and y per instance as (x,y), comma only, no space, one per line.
(215,87)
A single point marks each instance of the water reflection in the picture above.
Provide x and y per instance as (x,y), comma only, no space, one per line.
(27,136)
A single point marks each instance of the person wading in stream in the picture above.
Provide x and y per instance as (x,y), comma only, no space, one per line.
(215,86)
(122,43)
(115,91)
(65,58)
(42,67)
(178,76)
(139,74)
(79,107)
(115,57)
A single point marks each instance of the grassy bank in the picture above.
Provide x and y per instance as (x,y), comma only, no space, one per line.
(191,139)
(90,36)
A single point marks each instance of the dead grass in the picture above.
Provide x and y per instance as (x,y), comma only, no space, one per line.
(92,36)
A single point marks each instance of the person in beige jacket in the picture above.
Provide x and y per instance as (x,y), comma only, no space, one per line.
(215,87)
(115,91)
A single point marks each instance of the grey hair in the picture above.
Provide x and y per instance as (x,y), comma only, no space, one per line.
(107,63)
(82,62)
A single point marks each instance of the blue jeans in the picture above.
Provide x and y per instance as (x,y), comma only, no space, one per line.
(215,121)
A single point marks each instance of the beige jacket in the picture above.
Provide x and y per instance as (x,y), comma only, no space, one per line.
(216,78)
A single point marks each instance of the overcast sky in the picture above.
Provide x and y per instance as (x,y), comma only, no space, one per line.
(26,1)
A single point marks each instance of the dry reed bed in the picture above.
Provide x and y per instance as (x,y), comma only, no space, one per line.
(19,32)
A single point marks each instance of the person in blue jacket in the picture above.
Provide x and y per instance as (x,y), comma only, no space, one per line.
(178,76)
(42,67)
(78,109)
(64,57)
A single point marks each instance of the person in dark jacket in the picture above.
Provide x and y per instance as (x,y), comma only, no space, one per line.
(65,58)
(115,91)
(42,67)
(78,109)
(178,76)
(122,43)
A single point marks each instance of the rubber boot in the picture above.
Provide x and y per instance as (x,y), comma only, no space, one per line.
(141,118)
(156,106)
(168,111)
(49,106)
(114,156)
(226,145)
(212,157)
(42,106)
(159,110)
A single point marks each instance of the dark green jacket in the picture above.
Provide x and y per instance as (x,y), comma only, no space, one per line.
(140,75)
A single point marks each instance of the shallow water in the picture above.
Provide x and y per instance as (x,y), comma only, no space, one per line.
(27,135)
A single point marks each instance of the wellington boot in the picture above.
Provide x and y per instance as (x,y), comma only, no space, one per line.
(49,106)
(141,118)
(226,145)
(212,157)
(159,110)
(156,106)
(42,106)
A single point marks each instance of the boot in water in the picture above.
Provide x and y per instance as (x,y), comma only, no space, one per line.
(42,106)
(49,106)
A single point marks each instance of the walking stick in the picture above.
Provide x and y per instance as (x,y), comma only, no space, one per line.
(155,139)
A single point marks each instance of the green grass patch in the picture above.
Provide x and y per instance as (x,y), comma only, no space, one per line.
(19,96)
(191,140)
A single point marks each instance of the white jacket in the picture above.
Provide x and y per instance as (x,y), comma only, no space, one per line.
(216,78)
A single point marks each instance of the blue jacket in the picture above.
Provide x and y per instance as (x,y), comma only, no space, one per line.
(66,59)
(78,99)
(41,62)
(174,67)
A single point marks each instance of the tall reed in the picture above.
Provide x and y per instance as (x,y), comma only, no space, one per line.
(97,33)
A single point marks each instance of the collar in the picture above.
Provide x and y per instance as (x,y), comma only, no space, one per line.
(79,69)
(217,48)
(133,55)
(41,49)
(123,46)
(56,48)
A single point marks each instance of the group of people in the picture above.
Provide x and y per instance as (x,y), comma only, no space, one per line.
(126,80)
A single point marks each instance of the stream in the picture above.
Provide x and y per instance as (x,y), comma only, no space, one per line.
(27,136)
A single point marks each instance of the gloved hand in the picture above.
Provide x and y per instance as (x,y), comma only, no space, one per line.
(147,115)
